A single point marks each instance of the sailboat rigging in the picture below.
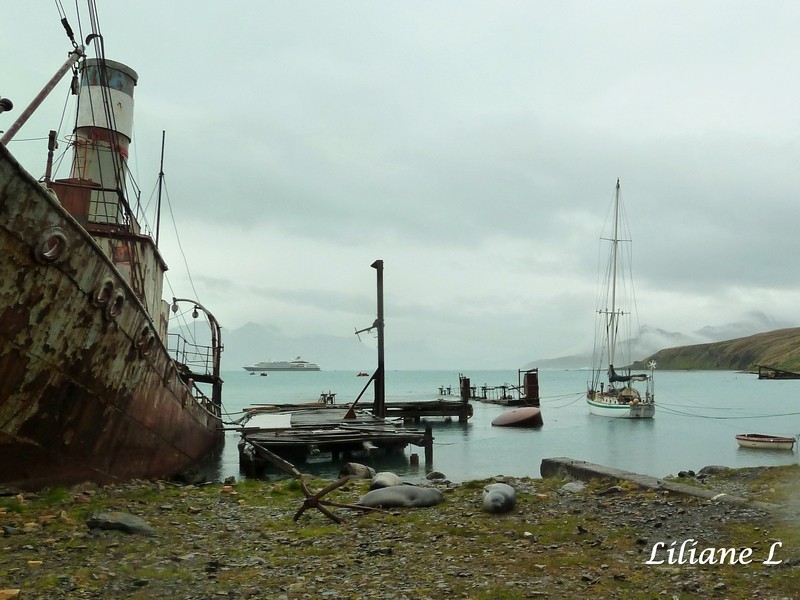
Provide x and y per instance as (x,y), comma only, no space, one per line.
(618,395)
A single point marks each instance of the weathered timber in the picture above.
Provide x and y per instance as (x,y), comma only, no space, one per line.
(415,411)
(298,431)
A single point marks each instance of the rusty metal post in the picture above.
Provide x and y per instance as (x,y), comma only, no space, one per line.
(465,396)
(380,385)
(531,386)
(465,389)
(428,445)
(52,144)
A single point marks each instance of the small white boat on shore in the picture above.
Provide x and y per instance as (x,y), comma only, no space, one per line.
(769,442)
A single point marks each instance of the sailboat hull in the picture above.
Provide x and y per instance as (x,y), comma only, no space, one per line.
(611,408)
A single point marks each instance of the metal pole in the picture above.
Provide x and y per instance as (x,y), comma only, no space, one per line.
(51,148)
(74,56)
(380,390)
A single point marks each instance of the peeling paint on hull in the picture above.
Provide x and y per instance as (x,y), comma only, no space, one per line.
(82,396)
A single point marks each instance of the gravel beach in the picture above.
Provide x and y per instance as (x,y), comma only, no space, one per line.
(563,538)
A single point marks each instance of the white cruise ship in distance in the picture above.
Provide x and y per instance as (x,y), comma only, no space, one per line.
(298,364)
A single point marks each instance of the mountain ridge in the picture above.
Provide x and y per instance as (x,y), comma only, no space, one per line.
(779,349)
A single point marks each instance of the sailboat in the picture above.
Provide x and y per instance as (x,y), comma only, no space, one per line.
(617,391)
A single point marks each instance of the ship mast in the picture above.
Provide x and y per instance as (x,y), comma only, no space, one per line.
(612,315)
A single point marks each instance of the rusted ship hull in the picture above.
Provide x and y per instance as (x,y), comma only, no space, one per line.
(88,390)
(92,386)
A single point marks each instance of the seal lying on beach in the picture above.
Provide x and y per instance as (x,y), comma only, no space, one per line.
(499,498)
(356,470)
(385,479)
(402,495)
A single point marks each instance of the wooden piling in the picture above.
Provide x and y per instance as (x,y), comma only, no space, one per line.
(428,441)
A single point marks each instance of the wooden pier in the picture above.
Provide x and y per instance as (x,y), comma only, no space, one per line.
(525,393)
(295,432)
(415,411)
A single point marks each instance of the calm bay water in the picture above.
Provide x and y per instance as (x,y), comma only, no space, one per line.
(697,416)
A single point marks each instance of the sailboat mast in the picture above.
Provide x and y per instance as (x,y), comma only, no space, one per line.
(612,321)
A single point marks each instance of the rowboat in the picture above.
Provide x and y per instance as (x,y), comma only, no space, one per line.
(760,440)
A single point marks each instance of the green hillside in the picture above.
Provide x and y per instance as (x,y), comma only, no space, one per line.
(779,349)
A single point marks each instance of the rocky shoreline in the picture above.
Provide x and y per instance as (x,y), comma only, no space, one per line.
(608,538)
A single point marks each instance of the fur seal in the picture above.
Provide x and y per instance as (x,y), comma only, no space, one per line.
(356,470)
(385,479)
(402,495)
(498,498)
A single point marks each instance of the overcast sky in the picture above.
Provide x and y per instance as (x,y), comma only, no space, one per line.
(473,146)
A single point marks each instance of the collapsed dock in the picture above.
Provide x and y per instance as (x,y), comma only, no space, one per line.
(525,393)
(296,432)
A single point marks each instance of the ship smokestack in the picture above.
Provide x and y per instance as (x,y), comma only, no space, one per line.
(103,132)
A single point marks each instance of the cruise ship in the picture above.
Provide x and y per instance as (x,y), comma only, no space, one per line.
(298,364)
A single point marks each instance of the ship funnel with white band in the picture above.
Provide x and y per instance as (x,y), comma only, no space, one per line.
(103,134)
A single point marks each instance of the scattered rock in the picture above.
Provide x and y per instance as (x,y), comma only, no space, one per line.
(713,470)
(574,486)
(614,489)
(120,521)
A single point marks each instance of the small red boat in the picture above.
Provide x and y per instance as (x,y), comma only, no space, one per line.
(529,417)
(363,374)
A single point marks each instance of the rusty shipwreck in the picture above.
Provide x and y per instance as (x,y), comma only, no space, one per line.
(92,385)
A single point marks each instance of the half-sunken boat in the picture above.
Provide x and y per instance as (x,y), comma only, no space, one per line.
(92,387)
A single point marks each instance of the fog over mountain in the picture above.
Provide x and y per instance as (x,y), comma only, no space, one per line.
(651,340)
